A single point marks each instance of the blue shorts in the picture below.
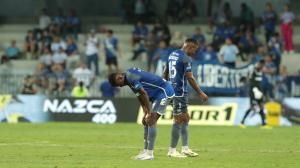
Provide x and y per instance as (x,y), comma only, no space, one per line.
(180,105)
(163,99)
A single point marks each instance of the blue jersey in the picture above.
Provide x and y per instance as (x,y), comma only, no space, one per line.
(177,65)
(155,86)
(111,46)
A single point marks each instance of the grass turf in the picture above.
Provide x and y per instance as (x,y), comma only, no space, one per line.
(60,145)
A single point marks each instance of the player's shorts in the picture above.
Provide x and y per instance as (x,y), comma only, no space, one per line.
(163,99)
(111,61)
(180,104)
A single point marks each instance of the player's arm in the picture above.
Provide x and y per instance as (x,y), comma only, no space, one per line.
(193,83)
(144,100)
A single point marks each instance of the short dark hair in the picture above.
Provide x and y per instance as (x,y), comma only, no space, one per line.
(110,31)
(191,40)
(112,79)
(262,61)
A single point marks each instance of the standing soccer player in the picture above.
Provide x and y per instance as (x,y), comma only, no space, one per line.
(256,93)
(178,71)
(148,88)
(112,51)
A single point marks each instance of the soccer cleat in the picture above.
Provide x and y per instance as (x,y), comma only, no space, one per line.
(140,155)
(176,154)
(146,157)
(242,126)
(189,153)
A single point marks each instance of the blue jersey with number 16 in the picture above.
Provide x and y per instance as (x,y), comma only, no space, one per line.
(177,65)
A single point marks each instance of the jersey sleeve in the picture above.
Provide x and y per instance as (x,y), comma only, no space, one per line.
(187,64)
(134,83)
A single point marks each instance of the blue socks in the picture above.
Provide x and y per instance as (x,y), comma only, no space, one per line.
(177,130)
(184,134)
(152,131)
(145,137)
(175,134)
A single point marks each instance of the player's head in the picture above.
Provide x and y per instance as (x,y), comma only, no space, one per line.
(109,32)
(117,79)
(260,65)
(190,46)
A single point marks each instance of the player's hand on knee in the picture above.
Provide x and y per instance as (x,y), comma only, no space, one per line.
(144,120)
(150,119)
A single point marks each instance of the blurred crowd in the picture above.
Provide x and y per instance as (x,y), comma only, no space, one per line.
(63,71)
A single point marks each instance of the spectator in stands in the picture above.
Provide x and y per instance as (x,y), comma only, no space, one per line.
(140,32)
(71,48)
(44,20)
(112,51)
(222,31)
(60,57)
(61,78)
(46,58)
(45,40)
(225,14)
(209,54)
(13,52)
(150,46)
(28,85)
(270,73)
(139,10)
(260,52)
(73,24)
(161,53)
(41,75)
(80,91)
(189,10)
(172,10)
(162,32)
(269,18)
(246,18)
(57,44)
(280,89)
(31,45)
(287,18)
(247,45)
(228,53)
(107,90)
(92,45)
(199,36)
(60,20)
(83,74)
(275,46)
(72,52)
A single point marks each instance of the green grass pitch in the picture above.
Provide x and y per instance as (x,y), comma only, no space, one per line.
(63,145)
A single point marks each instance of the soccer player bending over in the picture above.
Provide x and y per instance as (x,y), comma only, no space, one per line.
(148,88)
(178,71)
(256,93)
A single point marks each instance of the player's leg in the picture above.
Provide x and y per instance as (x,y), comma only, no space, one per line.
(158,109)
(185,136)
(261,113)
(144,151)
(176,128)
(252,103)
